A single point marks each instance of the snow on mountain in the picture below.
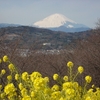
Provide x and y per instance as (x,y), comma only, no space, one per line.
(59,22)
(55,20)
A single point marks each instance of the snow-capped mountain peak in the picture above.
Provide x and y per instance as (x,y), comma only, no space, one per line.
(55,20)
(59,22)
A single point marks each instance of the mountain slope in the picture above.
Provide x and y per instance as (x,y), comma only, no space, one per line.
(58,21)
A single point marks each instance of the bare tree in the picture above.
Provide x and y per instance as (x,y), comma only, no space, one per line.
(98,24)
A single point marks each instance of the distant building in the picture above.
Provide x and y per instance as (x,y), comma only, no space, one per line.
(47,44)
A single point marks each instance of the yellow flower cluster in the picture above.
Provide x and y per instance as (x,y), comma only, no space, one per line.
(9,89)
(25,86)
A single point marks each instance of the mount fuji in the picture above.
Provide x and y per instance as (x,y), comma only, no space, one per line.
(59,22)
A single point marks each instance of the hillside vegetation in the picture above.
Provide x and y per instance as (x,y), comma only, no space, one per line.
(29,36)
(24,46)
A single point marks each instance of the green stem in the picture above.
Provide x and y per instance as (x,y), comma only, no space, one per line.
(75,76)
(84,89)
(70,74)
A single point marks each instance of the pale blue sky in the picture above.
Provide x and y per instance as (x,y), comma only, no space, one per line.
(26,12)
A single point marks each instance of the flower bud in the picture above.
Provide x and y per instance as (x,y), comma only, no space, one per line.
(55,76)
(5,58)
(9,77)
(3,71)
(11,67)
(65,78)
(70,64)
(80,69)
(88,79)
(16,76)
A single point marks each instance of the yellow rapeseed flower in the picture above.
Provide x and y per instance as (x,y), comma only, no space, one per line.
(65,78)
(12,95)
(3,71)
(26,98)
(88,79)
(70,91)
(32,94)
(2,95)
(35,75)
(9,88)
(9,77)
(56,95)
(11,67)
(55,76)
(46,79)
(80,69)
(75,85)
(62,98)
(93,86)
(16,76)
(47,90)
(24,92)
(67,85)
(90,90)
(25,76)
(55,88)
(39,83)
(70,64)
(88,98)
(5,58)
(20,85)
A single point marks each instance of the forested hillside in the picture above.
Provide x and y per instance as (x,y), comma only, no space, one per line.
(82,48)
(29,36)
